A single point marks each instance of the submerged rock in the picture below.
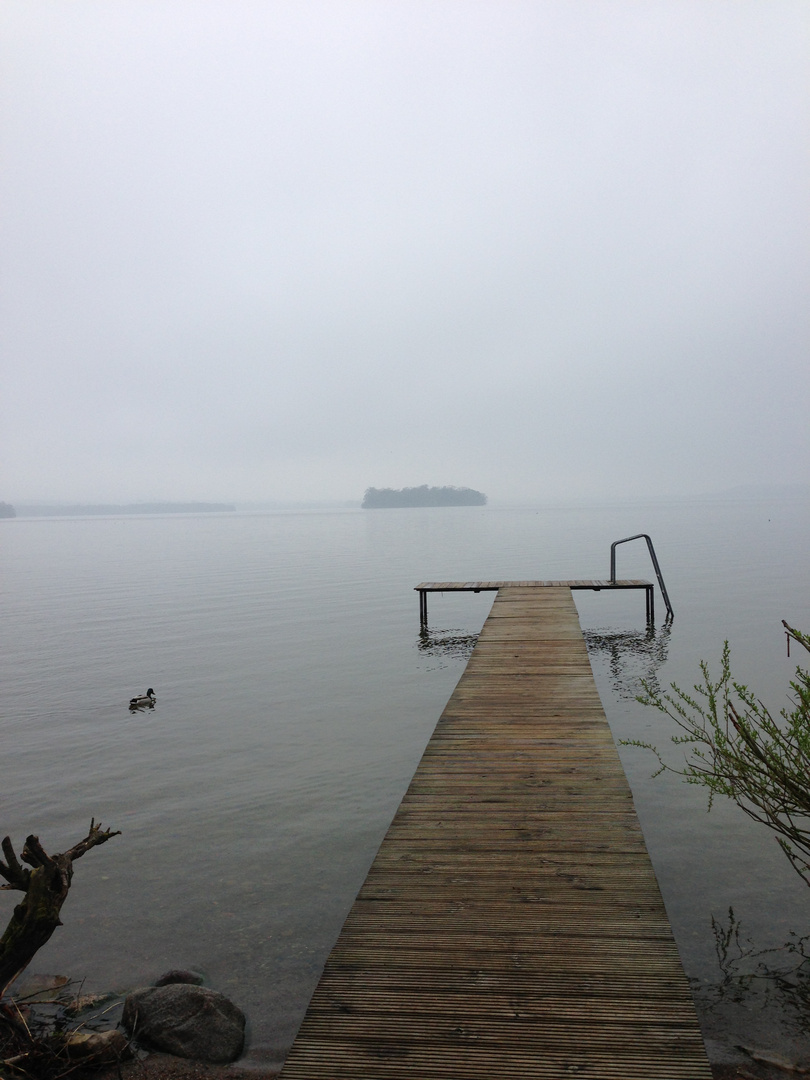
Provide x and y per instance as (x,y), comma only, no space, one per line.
(186,1020)
(98,1046)
(82,1002)
(34,987)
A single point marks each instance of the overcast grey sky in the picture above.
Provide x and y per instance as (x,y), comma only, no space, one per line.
(256,250)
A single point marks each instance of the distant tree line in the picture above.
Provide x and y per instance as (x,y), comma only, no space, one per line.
(385,498)
(89,509)
(7,510)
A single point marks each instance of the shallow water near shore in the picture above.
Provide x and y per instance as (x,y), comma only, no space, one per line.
(295,697)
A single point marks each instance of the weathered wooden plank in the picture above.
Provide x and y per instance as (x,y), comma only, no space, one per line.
(511,925)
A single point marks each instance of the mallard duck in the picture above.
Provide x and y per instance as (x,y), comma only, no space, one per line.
(146,700)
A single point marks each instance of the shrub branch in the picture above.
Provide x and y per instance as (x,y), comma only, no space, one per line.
(737,749)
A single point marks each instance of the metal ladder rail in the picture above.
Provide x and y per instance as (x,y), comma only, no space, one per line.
(664,593)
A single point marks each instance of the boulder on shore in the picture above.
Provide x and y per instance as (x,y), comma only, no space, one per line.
(186,1020)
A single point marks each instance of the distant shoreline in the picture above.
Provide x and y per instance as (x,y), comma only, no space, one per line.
(98,509)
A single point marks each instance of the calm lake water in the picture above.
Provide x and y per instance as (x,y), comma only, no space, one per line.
(294,701)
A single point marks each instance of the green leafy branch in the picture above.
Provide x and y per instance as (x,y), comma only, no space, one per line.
(737,749)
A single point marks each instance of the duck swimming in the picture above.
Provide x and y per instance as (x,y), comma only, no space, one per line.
(145,701)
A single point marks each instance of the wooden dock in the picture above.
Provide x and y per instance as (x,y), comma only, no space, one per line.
(511,924)
(425,587)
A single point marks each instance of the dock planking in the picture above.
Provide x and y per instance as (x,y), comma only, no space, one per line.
(511,925)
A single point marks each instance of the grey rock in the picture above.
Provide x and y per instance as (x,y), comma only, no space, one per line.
(179,975)
(185,1020)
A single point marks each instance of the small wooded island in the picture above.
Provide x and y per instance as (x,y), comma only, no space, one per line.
(385,498)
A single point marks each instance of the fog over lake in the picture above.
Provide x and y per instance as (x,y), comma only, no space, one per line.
(269,251)
(269,255)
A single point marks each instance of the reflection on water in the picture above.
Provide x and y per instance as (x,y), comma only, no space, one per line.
(633,656)
(758,1002)
(446,644)
(781,975)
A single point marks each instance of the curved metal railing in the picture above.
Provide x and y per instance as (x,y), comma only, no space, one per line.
(662,586)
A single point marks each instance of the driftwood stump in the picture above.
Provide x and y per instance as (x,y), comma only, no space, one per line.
(45,886)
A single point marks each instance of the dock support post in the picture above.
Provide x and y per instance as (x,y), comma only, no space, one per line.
(650,591)
(423,607)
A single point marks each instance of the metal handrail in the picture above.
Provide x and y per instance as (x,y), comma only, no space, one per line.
(640,536)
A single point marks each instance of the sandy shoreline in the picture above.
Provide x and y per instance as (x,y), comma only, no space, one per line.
(166,1067)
